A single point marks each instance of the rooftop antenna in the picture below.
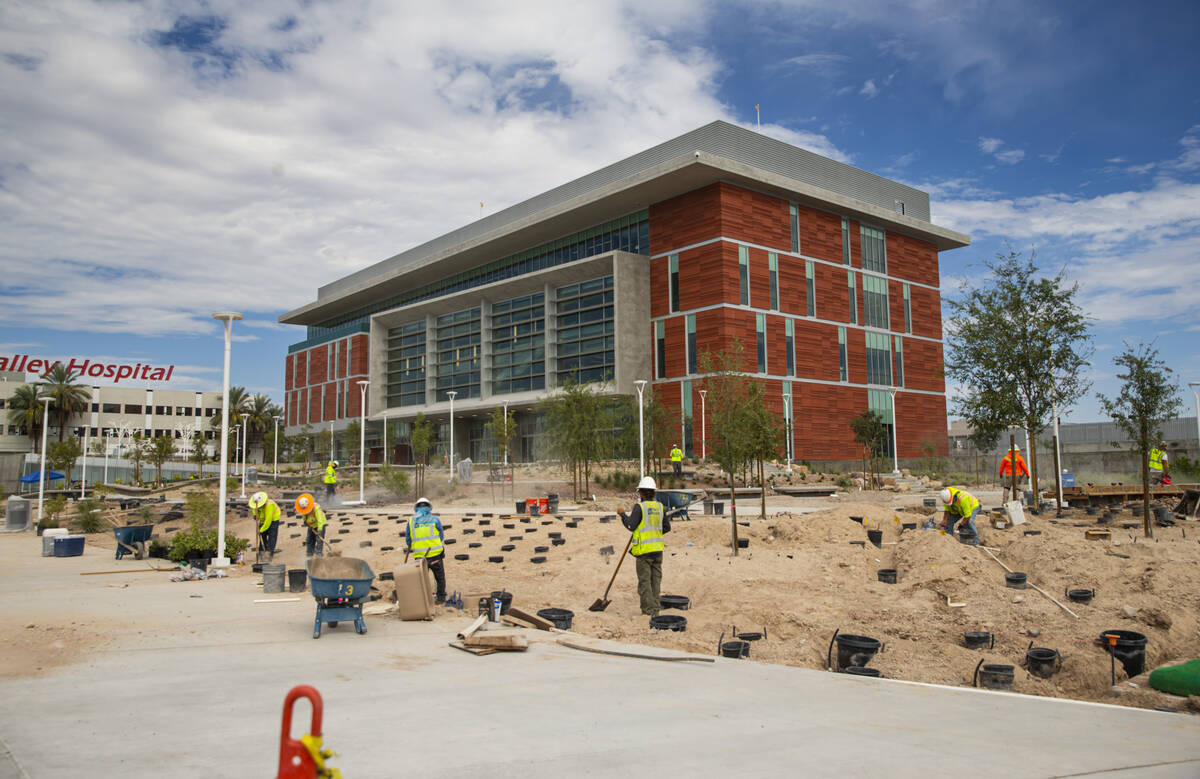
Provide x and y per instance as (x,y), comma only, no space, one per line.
(757,117)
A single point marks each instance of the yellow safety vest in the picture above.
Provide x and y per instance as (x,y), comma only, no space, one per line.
(315,519)
(648,535)
(676,455)
(330,474)
(962,503)
(1156,459)
(268,513)
(424,538)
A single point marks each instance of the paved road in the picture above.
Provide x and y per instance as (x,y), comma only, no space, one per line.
(193,686)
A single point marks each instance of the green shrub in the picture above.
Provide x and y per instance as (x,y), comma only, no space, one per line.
(145,514)
(54,507)
(201,508)
(87,516)
(843,481)
(394,480)
(198,539)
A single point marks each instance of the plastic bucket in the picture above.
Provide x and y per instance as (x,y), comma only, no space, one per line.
(531,506)
(1129,647)
(875,537)
(520,508)
(297,580)
(886,575)
(273,578)
(1043,662)
(978,639)
(1016,580)
(560,617)
(994,676)
(505,599)
(543,505)
(855,650)
(735,649)
(858,670)
(1081,596)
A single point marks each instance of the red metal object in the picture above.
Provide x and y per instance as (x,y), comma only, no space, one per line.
(295,762)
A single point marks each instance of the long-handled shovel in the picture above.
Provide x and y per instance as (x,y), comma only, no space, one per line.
(602,603)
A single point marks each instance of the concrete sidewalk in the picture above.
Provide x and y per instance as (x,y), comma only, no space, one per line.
(193,686)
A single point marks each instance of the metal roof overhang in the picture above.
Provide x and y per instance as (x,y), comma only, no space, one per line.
(661,182)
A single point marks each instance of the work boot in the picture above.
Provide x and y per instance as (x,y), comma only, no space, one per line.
(439,600)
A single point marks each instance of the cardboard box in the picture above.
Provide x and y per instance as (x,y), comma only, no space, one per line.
(414,595)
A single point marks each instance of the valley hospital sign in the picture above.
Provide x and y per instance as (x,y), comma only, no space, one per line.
(22,363)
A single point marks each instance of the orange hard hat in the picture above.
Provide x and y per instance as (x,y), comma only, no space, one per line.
(305,504)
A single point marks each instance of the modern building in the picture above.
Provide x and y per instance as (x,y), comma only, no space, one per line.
(826,273)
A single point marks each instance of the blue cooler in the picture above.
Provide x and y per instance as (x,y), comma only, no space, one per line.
(68,546)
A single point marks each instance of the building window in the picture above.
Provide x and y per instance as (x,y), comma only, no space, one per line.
(760,330)
(810,287)
(585,331)
(406,365)
(907,310)
(875,302)
(691,343)
(899,361)
(845,241)
(844,374)
(660,348)
(130,408)
(519,344)
(331,359)
(880,401)
(458,339)
(879,358)
(853,294)
(744,274)
(773,267)
(685,394)
(874,250)
(789,334)
(794,213)
(673,288)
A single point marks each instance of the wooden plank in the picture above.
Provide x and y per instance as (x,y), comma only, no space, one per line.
(533,619)
(473,649)
(504,641)
(572,642)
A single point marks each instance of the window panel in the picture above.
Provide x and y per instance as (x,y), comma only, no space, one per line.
(853,293)
(875,302)
(794,218)
(899,343)
(691,343)
(660,349)
(790,346)
(586,353)
(874,250)
(907,310)
(773,267)
(810,287)
(844,367)
(760,332)
(845,240)
(744,275)
(673,265)
(879,358)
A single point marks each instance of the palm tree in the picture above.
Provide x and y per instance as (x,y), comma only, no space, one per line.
(25,409)
(70,398)
(260,415)
(238,404)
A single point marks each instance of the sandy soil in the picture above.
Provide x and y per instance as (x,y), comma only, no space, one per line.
(802,578)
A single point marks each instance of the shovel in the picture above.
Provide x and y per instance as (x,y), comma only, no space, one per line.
(602,603)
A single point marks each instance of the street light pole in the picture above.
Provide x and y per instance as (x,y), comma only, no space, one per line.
(275,469)
(506,443)
(895,436)
(451,393)
(244,437)
(703,428)
(227,318)
(87,439)
(386,460)
(787,425)
(47,399)
(640,384)
(362,436)
(1195,385)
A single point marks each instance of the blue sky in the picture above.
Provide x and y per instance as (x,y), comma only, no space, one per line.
(163,160)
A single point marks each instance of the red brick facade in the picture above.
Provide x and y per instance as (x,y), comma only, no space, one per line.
(321,382)
(706,227)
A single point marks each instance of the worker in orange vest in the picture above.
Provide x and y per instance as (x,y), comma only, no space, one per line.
(1007,468)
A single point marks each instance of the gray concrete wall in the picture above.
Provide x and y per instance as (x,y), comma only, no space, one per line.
(631,315)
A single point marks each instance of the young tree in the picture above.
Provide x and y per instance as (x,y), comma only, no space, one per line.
(1018,346)
(658,426)
(1148,398)
(730,395)
(573,418)
(502,427)
(137,454)
(70,397)
(420,440)
(61,455)
(350,438)
(158,450)
(766,433)
(870,431)
(198,453)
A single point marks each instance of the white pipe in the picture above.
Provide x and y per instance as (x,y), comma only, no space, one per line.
(703,428)
(227,318)
(451,393)
(1057,459)
(362,437)
(42,476)
(640,385)
(895,438)
(275,470)
(245,436)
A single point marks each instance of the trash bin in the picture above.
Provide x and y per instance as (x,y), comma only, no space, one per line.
(17,512)
(552,503)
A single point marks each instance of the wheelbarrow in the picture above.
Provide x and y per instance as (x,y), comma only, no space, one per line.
(132,540)
(340,585)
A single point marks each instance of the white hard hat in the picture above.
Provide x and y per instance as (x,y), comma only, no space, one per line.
(1016,448)
(946,496)
(422,501)
(647,483)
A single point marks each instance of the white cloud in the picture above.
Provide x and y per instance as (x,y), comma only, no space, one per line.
(995,147)
(869,89)
(990,145)
(819,62)
(146,186)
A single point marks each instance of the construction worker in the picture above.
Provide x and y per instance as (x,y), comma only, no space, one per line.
(331,478)
(1158,463)
(677,460)
(1007,469)
(266,513)
(964,506)
(647,521)
(314,520)
(423,534)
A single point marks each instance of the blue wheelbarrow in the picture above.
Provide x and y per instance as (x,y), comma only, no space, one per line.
(132,540)
(340,585)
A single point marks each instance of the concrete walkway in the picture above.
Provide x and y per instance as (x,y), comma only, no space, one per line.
(189,678)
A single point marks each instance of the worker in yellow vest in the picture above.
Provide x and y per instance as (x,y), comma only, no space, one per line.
(1158,463)
(648,522)
(677,460)
(423,535)
(314,520)
(964,506)
(266,513)
(331,478)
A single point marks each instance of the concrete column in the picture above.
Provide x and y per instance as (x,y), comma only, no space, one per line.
(430,359)
(377,366)
(551,337)
(485,351)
